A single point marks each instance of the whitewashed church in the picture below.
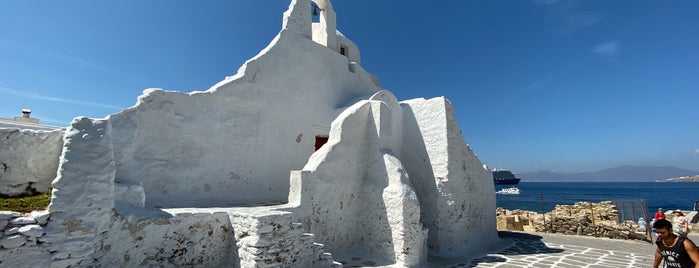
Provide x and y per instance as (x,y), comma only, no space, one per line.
(267,168)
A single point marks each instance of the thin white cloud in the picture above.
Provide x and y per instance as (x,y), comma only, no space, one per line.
(32,95)
(579,21)
(568,16)
(696,151)
(607,49)
(31,51)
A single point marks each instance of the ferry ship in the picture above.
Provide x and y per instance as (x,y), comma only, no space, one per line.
(504,177)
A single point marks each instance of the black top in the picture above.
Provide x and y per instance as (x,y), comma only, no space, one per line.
(675,256)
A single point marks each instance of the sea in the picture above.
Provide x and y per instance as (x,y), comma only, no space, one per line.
(535,196)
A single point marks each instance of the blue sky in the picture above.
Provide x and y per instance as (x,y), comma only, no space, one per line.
(567,86)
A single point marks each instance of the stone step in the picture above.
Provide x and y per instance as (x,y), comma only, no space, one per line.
(271,239)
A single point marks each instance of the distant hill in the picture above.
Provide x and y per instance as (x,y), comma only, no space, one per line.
(622,173)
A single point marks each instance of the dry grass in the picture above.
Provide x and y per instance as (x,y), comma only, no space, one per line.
(26,202)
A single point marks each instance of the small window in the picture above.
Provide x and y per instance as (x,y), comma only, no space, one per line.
(320,141)
(343,50)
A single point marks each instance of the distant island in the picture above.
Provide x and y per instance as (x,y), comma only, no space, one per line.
(684,179)
(625,173)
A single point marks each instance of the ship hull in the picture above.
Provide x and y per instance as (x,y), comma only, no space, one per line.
(507,181)
(504,177)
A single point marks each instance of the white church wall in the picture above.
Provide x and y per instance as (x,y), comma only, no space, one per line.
(351,50)
(368,205)
(236,143)
(28,159)
(83,193)
(339,176)
(408,239)
(456,194)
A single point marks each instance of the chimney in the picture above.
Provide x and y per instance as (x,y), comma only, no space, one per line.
(25,117)
(26,113)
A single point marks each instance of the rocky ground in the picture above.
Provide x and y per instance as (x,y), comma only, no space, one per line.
(582,219)
(570,238)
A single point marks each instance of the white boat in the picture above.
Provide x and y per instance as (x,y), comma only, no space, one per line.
(511,190)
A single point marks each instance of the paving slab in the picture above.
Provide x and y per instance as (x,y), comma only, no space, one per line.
(556,250)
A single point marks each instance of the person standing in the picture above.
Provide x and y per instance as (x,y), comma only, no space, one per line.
(659,215)
(641,224)
(675,250)
(679,224)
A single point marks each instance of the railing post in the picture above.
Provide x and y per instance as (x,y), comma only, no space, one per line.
(646,215)
(543,213)
(592,215)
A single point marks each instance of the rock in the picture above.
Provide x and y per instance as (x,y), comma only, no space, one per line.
(6,215)
(61,255)
(12,231)
(3,224)
(577,219)
(13,241)
(33,230)
(22,221)
(41,217)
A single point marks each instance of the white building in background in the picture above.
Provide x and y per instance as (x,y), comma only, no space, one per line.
(301,159)
(25,121)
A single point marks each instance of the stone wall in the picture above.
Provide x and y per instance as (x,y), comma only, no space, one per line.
(582,218)
(269,238)
(239,237)
(22,239)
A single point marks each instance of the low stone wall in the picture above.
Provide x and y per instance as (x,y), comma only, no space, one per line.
(582,218)
(268,238)
(97,222)
(20,231)
(22,238)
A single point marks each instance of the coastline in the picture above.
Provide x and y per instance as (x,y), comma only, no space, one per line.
(544,196)
(583,219)
(694,178)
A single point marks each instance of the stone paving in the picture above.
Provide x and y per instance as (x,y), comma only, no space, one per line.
(554,255)
(533,251)
(539,250)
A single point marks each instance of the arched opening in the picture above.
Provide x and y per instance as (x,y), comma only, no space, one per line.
(315,12)
(323,24)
